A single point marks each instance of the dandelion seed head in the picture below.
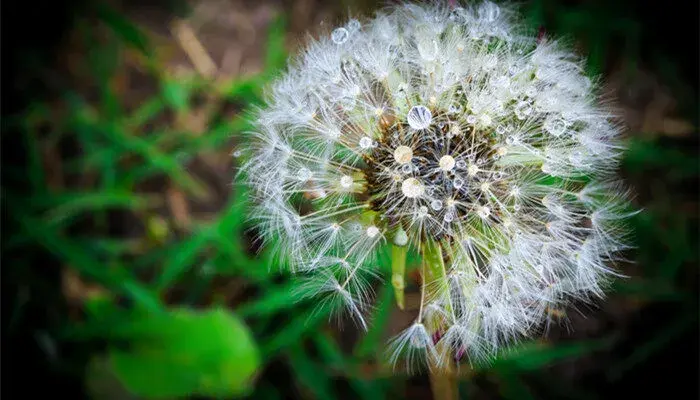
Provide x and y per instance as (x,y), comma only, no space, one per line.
(447,126)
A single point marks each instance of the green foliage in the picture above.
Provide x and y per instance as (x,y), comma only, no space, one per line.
(185,352)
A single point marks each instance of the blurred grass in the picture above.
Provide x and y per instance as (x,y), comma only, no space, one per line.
(100,179)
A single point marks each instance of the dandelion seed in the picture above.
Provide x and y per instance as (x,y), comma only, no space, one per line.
(441,131)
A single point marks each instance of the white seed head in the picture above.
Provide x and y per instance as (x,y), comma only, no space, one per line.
(451,131)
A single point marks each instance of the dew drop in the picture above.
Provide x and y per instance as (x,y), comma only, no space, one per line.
(436,205)
(346,181)
(372,231)
(458,183)
(419,117)
(449,216)
(471,119)
(555,126)
(403,154)
(412,188)
(501,129)
(304,174)
(401,238)
(354,25)
(483,212)
(422,211)
(447,163)
(489,11)
(340,35)
(455,108)
(461,164)
(365,142)
(406,168)
(523,110)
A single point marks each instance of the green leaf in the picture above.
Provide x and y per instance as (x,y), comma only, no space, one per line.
(184,353)
(175,94)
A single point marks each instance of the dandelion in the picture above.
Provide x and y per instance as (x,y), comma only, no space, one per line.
(451,132)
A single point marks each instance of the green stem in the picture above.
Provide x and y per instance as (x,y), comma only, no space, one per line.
(443,378)
(398,272)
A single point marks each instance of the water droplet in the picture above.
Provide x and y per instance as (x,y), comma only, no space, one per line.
(372,231)
(449,216)
(422,211)
(447,163)
(485,120)
(419,117)
(403,154)
(365,142)
(436,205)
(455,108)
(401,238)
(237,153)
(489,11)
(304,174)
(340,35)
(461,164)
(406,168)
(412,188)
(523,110)
(555,126)
(458,183)
(483,212)
(501,129)
(471,119)
(346,181)
(354,25)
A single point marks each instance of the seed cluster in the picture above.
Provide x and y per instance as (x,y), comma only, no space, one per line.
(451,132)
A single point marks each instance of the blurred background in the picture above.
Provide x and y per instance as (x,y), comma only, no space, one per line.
(128,268)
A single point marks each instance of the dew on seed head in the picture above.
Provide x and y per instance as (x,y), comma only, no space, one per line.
(401,238)
(403,154)
(304,174)
(523,110)
(555,126)
(447,163)
(372,231)
(340,35)
(422,211)
(366,142)
(483,212)
(412,188)
(436,205)
(419,117)
(346,181)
